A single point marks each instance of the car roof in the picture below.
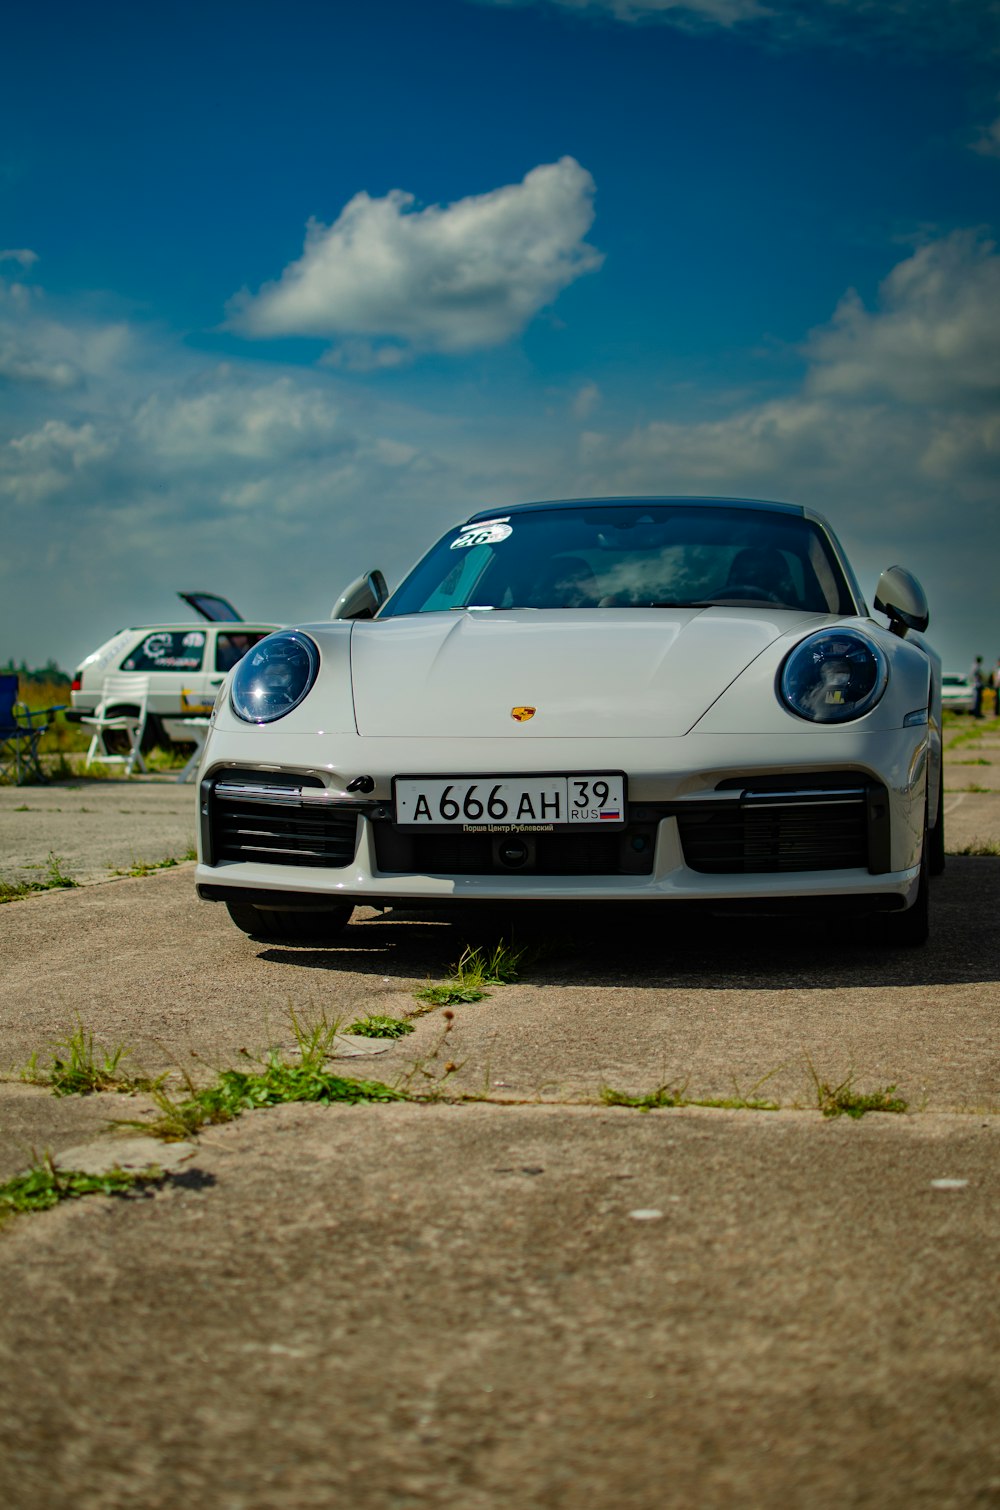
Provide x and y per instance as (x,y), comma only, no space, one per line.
(701,502)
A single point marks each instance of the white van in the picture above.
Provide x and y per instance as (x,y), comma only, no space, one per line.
(186,664)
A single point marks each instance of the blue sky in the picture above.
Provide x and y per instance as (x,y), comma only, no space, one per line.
(286,290)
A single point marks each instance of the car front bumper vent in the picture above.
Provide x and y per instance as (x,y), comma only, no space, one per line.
(276,820)
(773,832)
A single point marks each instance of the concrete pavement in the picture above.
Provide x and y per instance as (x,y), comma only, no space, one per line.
(525,1300)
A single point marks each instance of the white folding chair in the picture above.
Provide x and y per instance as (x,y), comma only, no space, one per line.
(120,714)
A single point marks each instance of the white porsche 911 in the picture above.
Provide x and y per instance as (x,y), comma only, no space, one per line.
(648,700)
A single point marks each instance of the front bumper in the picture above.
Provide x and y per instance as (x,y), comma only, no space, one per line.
(880,778)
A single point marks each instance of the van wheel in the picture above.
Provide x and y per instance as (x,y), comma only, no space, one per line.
(268,926)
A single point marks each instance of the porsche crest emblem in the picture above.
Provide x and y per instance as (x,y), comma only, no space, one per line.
(521,715)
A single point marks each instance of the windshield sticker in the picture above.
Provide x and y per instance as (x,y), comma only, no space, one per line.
(194,638)
(486,533)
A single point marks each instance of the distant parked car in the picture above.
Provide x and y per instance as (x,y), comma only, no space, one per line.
(186,664)
(957,693)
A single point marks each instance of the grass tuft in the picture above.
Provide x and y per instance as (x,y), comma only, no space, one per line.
(277,1082)
(844,1101)
(43,1186)
(676,1095)
(476,967)
(664,1095)
(55,879)
(449,996)
(80,1067)
(375,1026)
(147,867)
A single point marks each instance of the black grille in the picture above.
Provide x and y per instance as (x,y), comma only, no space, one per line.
(247,828)
(774,838)
(593,853)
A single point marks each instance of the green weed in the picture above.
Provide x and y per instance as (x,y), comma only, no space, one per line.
(79,1067)
(148,867)
(448,996)
(664,1095)
(313,1040)
(275,1083)
(43,1186)
(979,847)
(375,1026)
(737,1103)
(55,879)
(844,1101)
(667,1095)
(476,967)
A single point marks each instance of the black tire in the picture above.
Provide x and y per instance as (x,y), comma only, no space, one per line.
(268,926)
(153,735)
(935,839)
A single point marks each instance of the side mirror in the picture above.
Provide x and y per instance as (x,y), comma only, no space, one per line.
(363,599)
(901,598)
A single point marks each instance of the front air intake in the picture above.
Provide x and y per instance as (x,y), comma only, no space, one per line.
(277,819)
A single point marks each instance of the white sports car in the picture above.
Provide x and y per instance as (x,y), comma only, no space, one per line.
(649,700)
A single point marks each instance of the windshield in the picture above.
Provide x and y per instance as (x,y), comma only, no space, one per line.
(628,556)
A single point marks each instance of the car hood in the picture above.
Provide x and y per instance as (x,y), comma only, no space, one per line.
(586,673)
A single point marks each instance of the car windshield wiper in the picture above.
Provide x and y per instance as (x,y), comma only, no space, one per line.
(742,602)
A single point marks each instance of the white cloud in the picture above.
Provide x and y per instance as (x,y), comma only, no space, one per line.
(988,141)
(894,432)
(39,349)
(935,337)
(49,461)
(684,12)
(894,402)
(386,277)
(586,400)
(223,417)
(18,365)
(23,255)
(909,25)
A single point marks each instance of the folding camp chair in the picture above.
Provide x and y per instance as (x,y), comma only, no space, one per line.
(21,729)
(121,710)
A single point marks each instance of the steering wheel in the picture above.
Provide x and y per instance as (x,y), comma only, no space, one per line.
(750,590)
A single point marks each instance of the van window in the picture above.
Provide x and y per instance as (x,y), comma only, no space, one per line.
(232,646)
(167,650)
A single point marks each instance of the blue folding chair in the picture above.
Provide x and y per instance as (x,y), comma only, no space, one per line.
(21,729)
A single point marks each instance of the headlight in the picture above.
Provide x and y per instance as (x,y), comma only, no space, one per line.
(833,676)
(274,677)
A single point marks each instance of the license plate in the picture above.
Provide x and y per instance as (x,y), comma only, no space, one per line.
(494,804)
